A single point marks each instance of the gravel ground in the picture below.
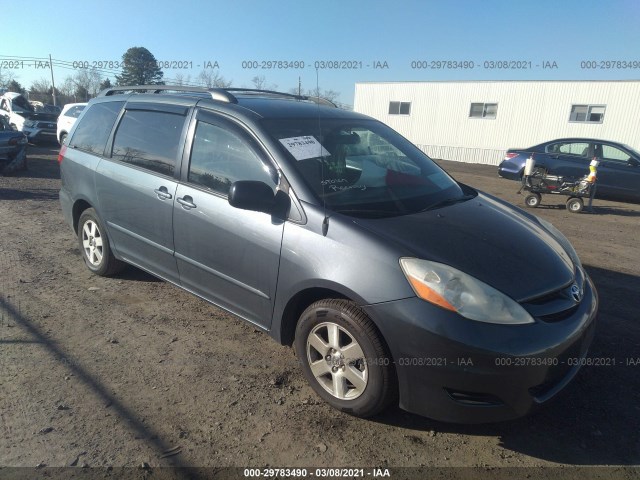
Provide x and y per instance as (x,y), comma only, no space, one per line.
(131,371)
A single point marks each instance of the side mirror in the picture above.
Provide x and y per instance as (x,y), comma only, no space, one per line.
(252,195)
(633,162)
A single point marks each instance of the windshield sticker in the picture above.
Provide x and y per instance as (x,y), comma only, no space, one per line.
(305,147)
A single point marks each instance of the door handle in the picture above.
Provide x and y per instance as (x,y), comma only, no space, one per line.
(186,202)
(163,193)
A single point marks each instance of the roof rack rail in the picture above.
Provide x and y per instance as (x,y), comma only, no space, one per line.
(322,101)
(319,100)
(220,94)
(216,93)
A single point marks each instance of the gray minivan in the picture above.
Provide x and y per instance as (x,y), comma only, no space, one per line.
(327,229)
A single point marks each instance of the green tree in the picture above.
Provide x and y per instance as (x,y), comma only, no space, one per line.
(140,68)
(105,84)
(14,86)
(81,93)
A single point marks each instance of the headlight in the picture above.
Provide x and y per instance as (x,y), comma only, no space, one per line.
(29,123)
(454,290)
(563,241)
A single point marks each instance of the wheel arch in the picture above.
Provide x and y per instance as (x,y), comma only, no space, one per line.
(79,206)
(285,331)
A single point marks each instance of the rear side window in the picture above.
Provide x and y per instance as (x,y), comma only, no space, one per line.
(575,148)
(93,130)
(74,112)
(149,139)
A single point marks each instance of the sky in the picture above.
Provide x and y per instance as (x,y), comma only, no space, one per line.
(330,43)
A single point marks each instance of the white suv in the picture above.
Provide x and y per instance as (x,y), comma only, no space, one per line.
(68,116)
(22,117)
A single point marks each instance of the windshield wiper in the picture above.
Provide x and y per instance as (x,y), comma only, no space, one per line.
(362,213)
(448,201)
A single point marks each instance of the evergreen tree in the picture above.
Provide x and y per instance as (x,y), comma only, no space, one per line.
(140,68)
(14,86)
(105,84)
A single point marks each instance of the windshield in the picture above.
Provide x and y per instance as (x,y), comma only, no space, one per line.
(362,167)
(20,104)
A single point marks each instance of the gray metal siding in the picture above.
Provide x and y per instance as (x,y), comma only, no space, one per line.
(528,113)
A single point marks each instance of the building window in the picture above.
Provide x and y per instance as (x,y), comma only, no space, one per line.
(587,113)
(483,110)
(399,108)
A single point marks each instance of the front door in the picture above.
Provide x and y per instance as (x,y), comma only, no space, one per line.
(618,174)
(227,255)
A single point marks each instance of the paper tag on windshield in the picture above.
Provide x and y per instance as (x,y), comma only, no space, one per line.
(304,147)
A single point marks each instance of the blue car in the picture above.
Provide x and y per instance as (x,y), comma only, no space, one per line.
(618,172)
(13,149)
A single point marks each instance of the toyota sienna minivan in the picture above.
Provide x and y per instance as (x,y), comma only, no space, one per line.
(394,283)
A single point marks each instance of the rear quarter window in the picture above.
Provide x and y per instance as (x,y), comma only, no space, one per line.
(94,128)
(74,112)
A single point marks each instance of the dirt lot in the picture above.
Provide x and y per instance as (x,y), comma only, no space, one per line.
(125,370)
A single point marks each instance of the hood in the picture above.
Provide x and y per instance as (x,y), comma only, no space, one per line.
(45,117)
(487,239)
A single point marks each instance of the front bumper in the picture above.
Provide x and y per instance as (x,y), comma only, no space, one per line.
(463,371)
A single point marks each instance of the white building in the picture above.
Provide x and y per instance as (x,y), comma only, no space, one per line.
(477,121)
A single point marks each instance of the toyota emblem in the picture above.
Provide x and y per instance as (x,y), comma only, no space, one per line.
(576,292)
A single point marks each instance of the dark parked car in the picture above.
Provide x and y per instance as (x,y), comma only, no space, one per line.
(334,234)
(618,172)
(13,149)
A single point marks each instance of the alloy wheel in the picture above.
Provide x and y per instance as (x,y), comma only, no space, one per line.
(92,243)
(337,361)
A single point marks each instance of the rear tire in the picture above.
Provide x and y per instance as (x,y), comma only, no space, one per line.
(344,358)
(94,245)
(63,137)
(533,200)
(575,205)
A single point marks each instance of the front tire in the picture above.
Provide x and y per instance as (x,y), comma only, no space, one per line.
(344,358)
(94,245)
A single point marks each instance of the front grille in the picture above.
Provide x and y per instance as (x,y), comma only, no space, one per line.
(559,305)
(558,316)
